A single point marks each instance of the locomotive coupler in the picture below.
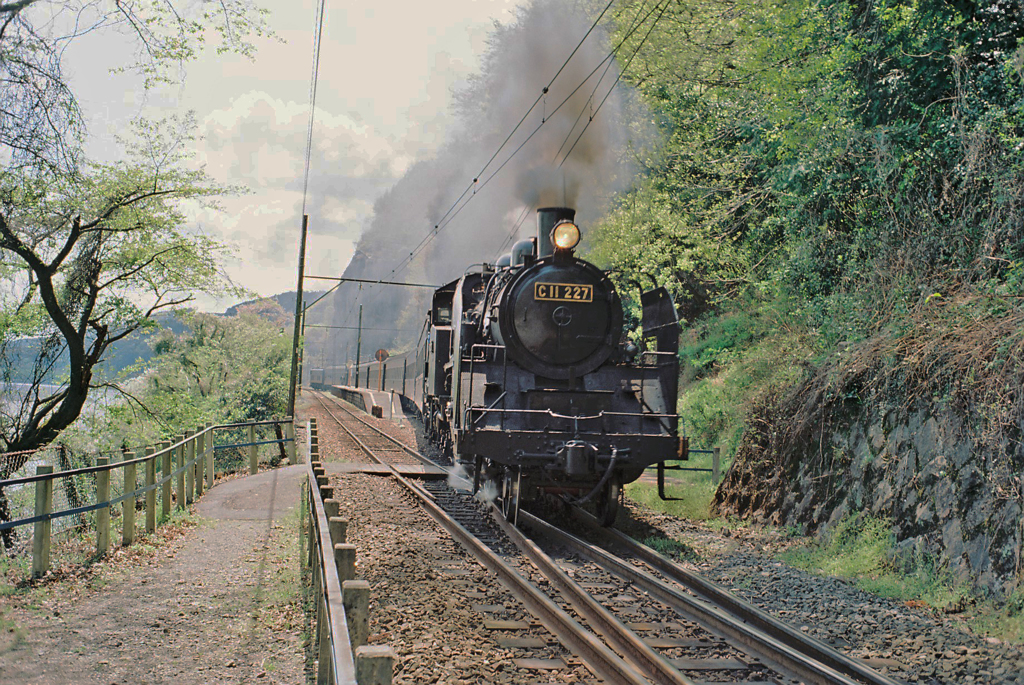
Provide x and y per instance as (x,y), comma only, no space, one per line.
(579,458)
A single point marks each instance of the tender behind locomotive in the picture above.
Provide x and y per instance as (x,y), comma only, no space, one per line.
(528,379)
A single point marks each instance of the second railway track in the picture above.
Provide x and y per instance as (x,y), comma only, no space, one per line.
(638,619)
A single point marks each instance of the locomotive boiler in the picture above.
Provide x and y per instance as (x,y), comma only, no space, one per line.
(528,380)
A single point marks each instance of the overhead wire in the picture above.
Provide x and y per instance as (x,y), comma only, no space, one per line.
(617,79)
(633,25)
(441,222)
(318,20)
(511,234)
(609,58)
(607,62)
(543,92)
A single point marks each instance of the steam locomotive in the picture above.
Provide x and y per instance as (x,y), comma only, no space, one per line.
(524,377)
(528,381)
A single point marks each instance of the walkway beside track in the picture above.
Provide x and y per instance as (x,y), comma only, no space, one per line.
(207,608)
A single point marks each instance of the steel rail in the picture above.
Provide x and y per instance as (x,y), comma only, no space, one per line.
(409,450)
(598,656)
(749,613)
(797,653)
(777,644)
(626,642)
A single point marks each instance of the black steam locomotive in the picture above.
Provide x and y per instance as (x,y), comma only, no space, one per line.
(527,380)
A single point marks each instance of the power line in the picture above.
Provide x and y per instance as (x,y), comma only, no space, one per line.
(540,97)
(450,215)
(319,21)
(512,233)
(456,207)
(374,281)
(635,23)
(293,378)
(618,78)
(445,219)
(364,328)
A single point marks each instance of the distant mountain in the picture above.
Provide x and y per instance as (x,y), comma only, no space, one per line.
(286,300)
(135,349)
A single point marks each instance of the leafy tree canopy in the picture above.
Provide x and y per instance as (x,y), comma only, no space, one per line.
(89,251)
(841,154)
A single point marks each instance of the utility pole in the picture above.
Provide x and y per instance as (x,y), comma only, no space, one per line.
(298,315)
(302,350)
(359,343)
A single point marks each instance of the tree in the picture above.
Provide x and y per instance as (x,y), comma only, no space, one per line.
(92,262)
(89,251)
(225,368)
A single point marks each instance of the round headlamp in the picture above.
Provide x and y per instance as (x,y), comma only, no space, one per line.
(565,235)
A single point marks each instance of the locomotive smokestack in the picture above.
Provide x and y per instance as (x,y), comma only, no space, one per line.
(547,217)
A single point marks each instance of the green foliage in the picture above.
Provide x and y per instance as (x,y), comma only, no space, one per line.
(862,549)
(830,153)
(671,548)
(224,369)
(858,546)
(89,251)
(832,176)
(99,253)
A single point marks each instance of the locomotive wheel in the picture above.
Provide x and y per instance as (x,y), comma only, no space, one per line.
(608,503)
(510,484)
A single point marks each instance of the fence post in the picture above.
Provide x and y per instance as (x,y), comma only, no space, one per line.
(165,491)
(355,597)
(190,472)
(179,463)
(338,527)
(150,493)
(128,505)
(716,464)
(41,534)
(253,461)
(200,460)
(345,560)
(374,664)
(103,513)
(209,455)
(289,433)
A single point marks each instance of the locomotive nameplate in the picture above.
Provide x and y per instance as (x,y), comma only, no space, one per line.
(563,292)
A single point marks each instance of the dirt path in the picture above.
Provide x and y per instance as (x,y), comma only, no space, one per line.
(217,605)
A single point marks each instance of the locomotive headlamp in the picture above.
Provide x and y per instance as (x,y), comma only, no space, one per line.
(565,235)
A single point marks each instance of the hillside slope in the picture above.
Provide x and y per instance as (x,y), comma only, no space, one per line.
(838,209)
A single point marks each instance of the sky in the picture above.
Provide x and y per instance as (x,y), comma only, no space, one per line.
(386,78)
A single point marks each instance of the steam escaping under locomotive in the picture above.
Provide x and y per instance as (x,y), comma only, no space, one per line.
(524,375)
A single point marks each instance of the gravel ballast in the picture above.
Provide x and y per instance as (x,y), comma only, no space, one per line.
(907,643)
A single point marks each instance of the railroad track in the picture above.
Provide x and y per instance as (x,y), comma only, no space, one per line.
(635,618)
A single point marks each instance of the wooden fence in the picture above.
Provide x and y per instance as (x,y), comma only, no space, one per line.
(187,467)
(341,602)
